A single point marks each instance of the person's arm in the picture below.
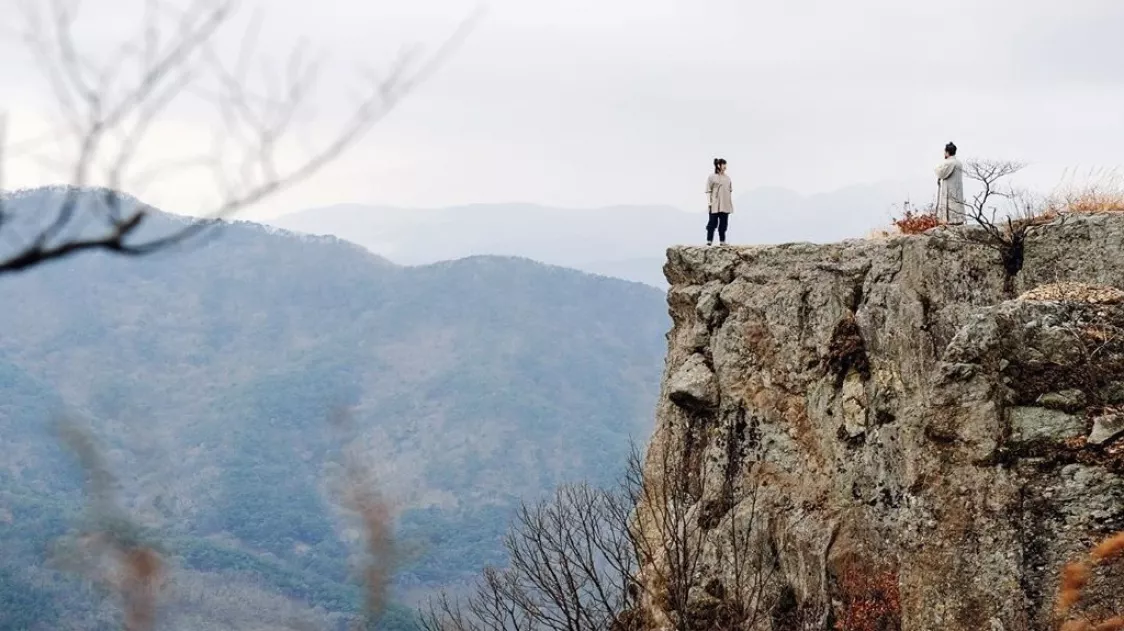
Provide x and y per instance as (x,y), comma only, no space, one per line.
(945,169)
(711,181)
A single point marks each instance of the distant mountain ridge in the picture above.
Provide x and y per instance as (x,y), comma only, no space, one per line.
(621,241)
(208,372)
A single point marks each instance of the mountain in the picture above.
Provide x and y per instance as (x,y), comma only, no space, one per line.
(208,374)
(623,241)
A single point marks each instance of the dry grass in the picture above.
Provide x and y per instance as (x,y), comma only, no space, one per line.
(1075,292)
(1097,192)
(1075,578)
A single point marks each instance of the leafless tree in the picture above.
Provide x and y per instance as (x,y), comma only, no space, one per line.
(671,532)
(572,568)
(575,563)
(1005,215)
(109,108)
(667,533)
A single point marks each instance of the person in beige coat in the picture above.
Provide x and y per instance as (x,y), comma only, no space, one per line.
(719,201)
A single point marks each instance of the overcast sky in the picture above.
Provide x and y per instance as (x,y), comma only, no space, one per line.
(596,102)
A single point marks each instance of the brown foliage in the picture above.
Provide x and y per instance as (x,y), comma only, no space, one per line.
(871,600)
(916,222)
(1075,578)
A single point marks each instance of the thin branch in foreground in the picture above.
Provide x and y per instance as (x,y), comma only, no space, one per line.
(112,551)
(359,495)
(108,113)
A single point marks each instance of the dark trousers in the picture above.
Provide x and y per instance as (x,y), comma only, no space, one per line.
(717,220)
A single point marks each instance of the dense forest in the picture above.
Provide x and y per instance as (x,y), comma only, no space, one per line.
(207,375)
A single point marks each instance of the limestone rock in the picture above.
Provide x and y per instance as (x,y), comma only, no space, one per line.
(963,474)
(694,385)
(854,406)
(1069,400)
(1106,427)
(1030,424)
(1112,393)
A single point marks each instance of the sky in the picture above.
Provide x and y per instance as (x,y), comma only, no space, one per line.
(588,103)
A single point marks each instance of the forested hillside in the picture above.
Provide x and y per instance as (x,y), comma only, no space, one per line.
(208,374)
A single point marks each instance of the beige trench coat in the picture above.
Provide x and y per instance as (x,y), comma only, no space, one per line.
(720,193)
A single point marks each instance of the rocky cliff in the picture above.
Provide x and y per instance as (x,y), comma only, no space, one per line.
(900,429)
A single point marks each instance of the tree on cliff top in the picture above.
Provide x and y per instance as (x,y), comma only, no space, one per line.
(109,99)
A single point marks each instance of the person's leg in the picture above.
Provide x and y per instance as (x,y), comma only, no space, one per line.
(711,224)
(723,220)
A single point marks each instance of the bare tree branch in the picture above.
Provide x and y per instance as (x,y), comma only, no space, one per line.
(1004,214)
(111,551)
(109,113)
(575,561)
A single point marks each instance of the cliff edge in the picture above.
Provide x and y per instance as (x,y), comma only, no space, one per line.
(900,420)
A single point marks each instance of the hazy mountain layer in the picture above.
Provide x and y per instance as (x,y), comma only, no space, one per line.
(209,374)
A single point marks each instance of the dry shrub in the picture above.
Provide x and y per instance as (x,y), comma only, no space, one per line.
(910,219)
(870,598)
(1099,192)
(916,222)
(1075,577)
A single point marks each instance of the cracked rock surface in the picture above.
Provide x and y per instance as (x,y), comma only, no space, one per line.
(904,407)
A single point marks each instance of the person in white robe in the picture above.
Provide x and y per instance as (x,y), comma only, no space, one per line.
(950,187)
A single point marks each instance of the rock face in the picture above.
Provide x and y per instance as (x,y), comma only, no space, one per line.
(892,408)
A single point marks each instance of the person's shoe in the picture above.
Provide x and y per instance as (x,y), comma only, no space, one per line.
(708,244)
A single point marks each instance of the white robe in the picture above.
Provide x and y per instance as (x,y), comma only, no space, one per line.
(950,190)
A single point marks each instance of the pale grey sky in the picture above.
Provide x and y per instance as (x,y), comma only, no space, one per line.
(597,102)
